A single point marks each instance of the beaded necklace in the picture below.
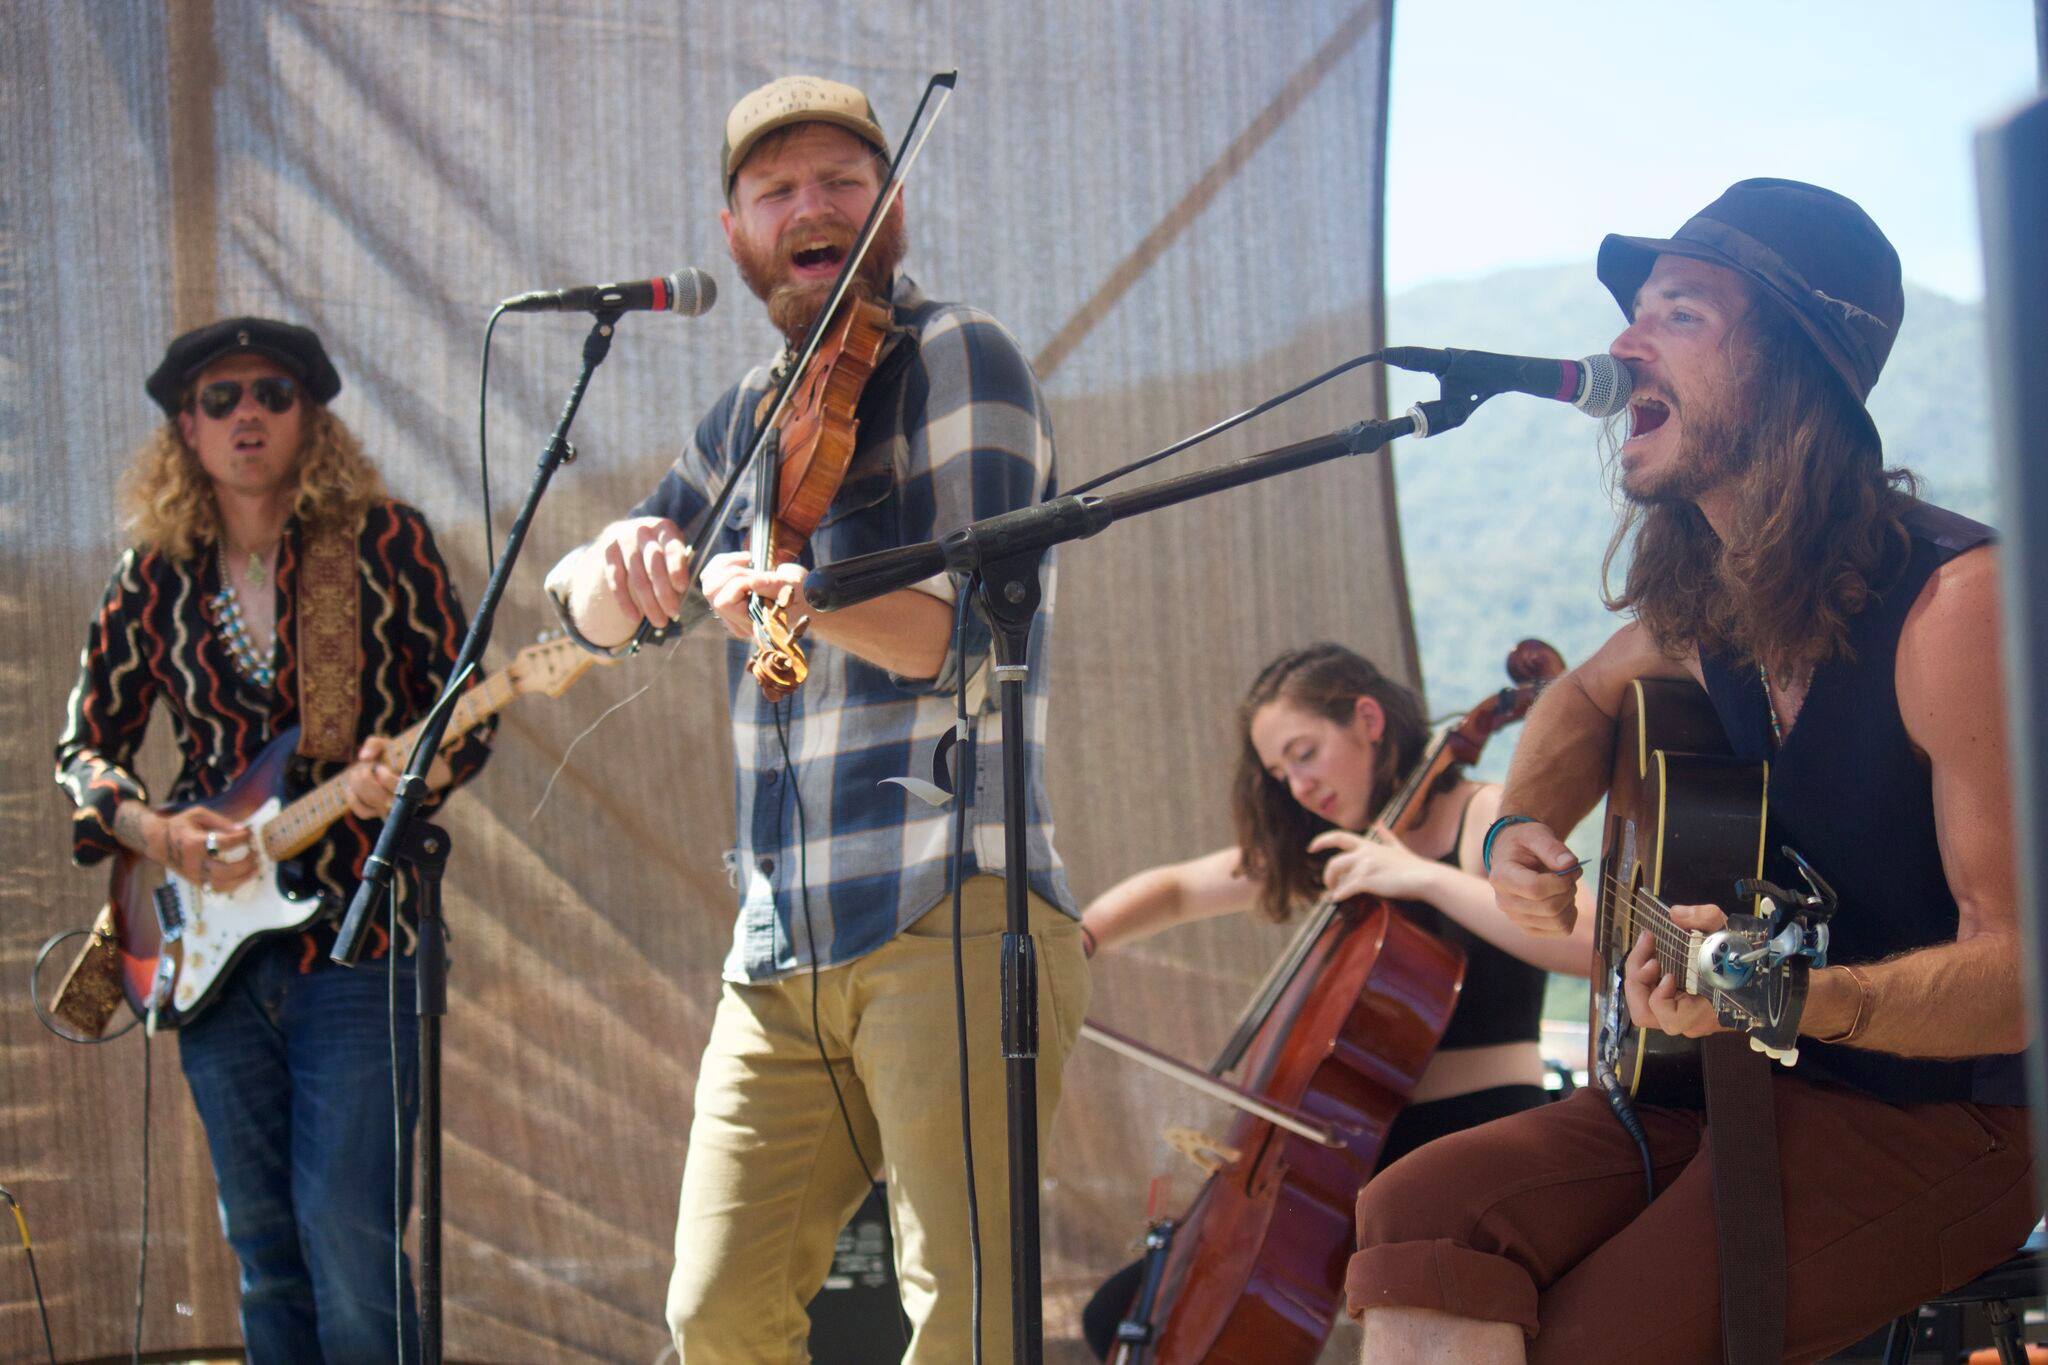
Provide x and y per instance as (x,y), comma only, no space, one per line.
(226,609)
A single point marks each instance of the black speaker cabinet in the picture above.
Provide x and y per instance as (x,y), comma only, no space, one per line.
(857,1318)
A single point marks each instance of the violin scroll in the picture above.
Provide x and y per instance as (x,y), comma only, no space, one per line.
(1532,665)
(1535,661)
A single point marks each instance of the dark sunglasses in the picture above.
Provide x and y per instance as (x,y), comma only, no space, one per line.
(223,396)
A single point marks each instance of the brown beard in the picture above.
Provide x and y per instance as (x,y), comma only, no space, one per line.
(793,307)
(1713,448)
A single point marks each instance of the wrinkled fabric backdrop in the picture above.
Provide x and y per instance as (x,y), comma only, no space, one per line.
(1174,204)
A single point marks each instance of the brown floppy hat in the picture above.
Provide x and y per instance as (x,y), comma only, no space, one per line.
(796,99)
(1809,251)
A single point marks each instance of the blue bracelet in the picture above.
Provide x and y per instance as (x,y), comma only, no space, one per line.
(1486,847)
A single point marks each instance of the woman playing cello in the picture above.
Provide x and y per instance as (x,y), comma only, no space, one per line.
(1326,739)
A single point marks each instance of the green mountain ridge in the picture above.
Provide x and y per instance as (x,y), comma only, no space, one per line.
(1504,521)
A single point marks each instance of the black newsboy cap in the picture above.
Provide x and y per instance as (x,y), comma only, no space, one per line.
(296,348)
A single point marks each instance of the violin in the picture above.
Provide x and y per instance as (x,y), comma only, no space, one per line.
(816,433)
(820,430)
(1330,1049)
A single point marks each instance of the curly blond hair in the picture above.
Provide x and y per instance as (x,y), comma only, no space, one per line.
(170,500)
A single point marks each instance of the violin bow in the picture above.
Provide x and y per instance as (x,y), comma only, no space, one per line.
(919,129)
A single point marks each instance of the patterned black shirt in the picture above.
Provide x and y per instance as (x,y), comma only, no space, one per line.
(154,640)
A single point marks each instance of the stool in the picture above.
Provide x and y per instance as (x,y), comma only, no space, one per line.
(1998,1288)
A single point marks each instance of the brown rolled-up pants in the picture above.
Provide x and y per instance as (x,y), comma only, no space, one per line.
(1538,1219)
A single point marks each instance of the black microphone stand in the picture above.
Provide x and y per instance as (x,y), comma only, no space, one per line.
(428,849)
(1004,551)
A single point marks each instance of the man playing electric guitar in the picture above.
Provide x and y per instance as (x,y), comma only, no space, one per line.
(271,578)
(1847,634)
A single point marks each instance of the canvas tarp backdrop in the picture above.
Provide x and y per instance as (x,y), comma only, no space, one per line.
(1173,204)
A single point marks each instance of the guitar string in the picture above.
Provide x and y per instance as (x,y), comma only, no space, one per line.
(1649,900)
(1665,933)
(1668,932)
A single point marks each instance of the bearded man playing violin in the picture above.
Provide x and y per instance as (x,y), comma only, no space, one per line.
(1847,634)
(831,1061)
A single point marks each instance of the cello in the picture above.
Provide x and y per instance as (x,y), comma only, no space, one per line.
(1330,1049)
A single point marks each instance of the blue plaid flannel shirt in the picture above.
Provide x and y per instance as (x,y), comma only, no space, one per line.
(953,428)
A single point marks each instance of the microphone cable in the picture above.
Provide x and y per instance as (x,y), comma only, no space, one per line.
(1225,425)
(142,1245)
(398,1219)
(803,882)
(35,999)
(963,780)
(483,438)
(42,1308)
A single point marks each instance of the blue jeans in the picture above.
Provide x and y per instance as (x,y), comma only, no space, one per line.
(291,1075)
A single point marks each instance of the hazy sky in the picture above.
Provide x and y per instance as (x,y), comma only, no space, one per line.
(1520,133)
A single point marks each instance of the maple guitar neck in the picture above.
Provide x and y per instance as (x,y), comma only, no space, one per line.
(295,828)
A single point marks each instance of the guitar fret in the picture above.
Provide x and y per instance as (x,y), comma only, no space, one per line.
(303,821)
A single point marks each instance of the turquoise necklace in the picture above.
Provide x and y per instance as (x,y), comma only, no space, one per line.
(226,609)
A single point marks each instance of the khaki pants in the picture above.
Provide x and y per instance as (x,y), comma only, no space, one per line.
(771,1177)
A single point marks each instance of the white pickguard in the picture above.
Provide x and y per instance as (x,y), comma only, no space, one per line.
(218,923)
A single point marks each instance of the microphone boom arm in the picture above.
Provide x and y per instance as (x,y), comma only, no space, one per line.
(1032,530)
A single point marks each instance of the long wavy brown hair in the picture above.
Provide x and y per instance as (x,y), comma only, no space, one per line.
(1817,527)
(1273,829)
(170,500)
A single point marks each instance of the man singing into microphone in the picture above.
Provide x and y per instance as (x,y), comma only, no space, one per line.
(1846,634)
(831,1059)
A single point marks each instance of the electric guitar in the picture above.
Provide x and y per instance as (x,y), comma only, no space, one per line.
(178,941)
(1685,826)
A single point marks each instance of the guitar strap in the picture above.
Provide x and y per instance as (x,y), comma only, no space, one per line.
(1749,1214)
(330,671)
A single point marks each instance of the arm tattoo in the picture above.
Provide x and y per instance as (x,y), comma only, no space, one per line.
(128,827)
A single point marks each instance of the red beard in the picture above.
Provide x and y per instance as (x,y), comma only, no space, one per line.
(793,305)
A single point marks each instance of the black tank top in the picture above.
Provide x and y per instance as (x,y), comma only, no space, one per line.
(1849,791)
(1502,998)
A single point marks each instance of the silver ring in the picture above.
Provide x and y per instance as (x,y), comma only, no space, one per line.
(212,843)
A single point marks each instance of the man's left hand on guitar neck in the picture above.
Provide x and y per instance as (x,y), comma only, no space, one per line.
(371,782)
(1657,998)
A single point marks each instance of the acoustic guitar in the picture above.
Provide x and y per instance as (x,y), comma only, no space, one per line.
(1685,826)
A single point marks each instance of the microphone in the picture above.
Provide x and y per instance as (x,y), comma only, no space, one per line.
(688,291)
(1598,386)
